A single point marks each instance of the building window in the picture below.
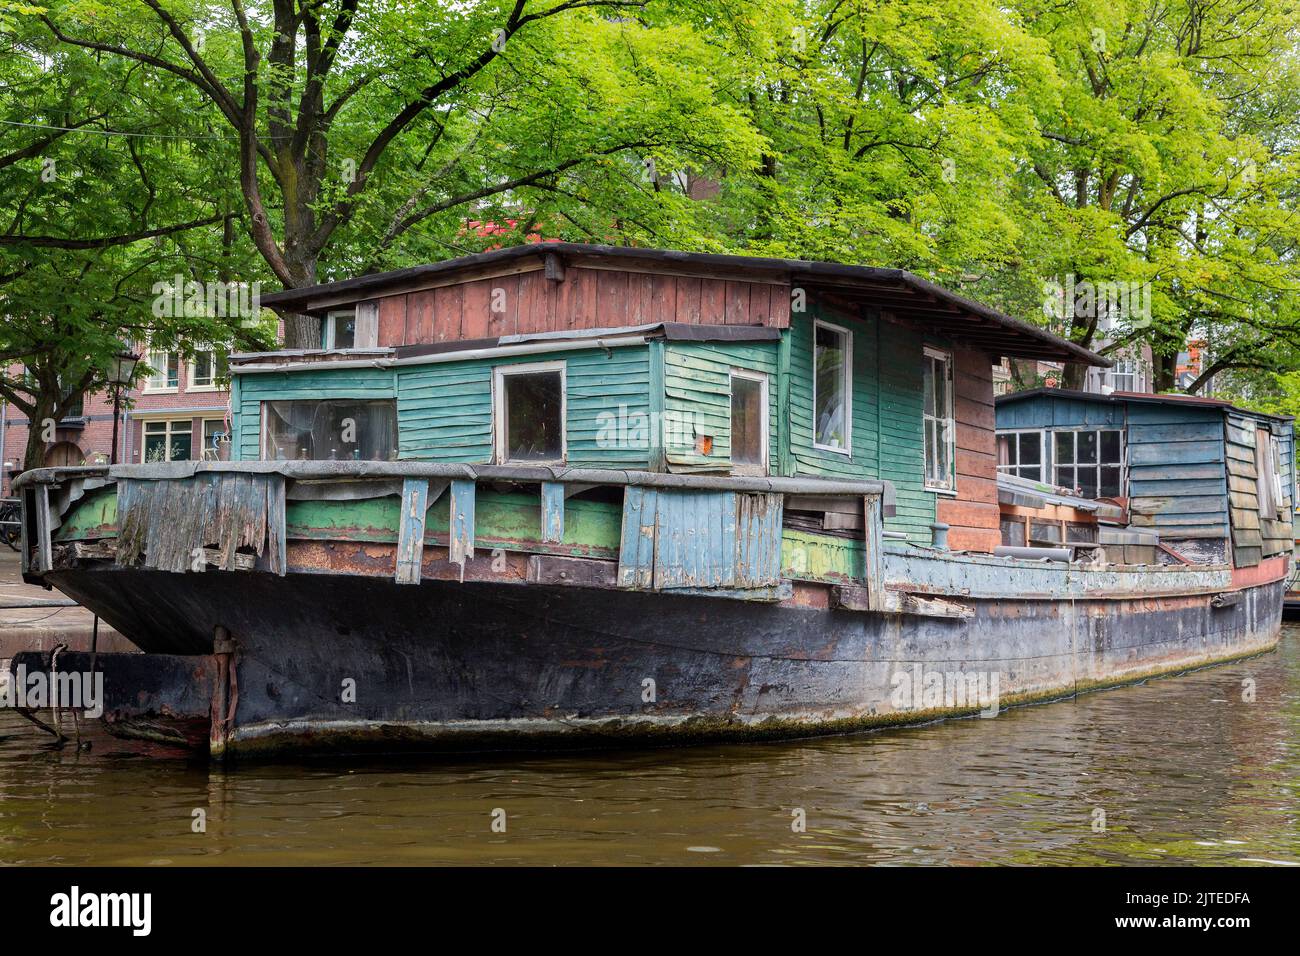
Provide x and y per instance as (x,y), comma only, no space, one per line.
(339,330)
(530,413)
(748,423)
(330,430)
(168,440)
(166,371)
(1125,375)
(832,387)
(1091,463)
(1021,454)
(215,432)
(940,431)
(207,368)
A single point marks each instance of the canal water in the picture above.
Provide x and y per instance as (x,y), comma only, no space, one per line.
(1178,770)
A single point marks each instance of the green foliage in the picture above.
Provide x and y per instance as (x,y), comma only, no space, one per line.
(994,147)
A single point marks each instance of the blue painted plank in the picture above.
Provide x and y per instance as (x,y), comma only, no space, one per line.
(410,532)
(461,545)
(552,512)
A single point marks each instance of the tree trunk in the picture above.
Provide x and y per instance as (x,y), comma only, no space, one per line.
(34,454)
(302,331)
(1075,376)
(1164,368)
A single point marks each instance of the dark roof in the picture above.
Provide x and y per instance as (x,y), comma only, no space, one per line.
(1144,398)
(903,294)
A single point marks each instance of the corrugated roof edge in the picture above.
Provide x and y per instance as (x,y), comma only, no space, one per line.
(794,269)
(1143,397)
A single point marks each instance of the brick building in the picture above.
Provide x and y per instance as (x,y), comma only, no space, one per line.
(181,412)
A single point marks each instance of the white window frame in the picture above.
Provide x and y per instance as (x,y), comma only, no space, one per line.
(949,432)
(328,326)
(764,454)
(847,450)
(1044,452)
(1132,369)
(148,389)
(203,439)
(1083,430)
(189,375)
(500,432)
(168,431)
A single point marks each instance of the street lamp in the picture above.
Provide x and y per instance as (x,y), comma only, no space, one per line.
(121,373)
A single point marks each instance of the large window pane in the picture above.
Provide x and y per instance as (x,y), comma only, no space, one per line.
(1087,448)
(335,429)
(1109,487)
(830,399)
(1110,448)
(1031,449)
(747,422)
(534,422)
(1065,448)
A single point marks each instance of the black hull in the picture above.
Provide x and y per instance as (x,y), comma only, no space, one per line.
(446,665)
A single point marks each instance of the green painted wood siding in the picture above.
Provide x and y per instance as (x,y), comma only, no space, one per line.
(886,439)
(697,400)
(251,390)
(444,411)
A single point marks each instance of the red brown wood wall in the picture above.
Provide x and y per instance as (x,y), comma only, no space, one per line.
(528,302)
(973,513)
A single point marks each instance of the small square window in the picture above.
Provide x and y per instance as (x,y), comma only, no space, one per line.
(339,330)
(530,413)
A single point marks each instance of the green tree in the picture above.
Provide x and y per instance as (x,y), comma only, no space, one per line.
(100,203)
(358,122)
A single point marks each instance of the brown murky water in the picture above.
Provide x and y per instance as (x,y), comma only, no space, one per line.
(1184,769)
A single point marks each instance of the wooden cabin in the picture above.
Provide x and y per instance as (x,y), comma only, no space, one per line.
(592,356)
(1214,481)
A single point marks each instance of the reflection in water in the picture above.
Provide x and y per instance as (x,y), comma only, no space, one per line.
(1184,770)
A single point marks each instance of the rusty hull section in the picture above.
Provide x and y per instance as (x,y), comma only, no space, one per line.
(337,657)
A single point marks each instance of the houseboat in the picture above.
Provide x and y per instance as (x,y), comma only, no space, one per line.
(575,495)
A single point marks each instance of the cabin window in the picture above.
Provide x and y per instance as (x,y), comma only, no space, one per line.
(206,368)
(329,430)
(940,433)
(1044,533)
(1090,463)
(748,423)
(530,413)
(166,371)
(1013,531)
(339,330)
(168,440)
(215,431)
(1021,454)
(832,387)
